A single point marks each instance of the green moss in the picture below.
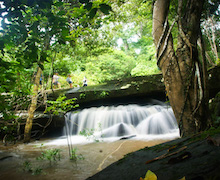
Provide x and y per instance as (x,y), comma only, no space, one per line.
(124,158)
(210,132)
(165,146)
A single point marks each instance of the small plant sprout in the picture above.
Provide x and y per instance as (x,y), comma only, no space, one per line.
(52,155)
(27,167)
(75,156)
(90,133)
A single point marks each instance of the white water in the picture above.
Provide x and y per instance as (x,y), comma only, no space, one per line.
(111,123)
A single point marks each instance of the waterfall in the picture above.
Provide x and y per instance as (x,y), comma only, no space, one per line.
(122,120)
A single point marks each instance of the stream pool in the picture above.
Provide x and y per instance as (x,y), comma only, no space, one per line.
(97,156)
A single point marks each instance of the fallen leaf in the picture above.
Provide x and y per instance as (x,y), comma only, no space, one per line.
(183,178)
(150,176)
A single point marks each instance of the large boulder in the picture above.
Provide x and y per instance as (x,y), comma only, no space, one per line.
(141,86)
(130,88)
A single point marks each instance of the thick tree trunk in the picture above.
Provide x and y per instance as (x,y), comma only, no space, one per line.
(32,108)
(182,71)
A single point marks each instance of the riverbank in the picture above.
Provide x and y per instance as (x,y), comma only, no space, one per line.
(195,158)
(97,156)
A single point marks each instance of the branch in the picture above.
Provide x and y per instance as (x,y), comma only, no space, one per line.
(166,155)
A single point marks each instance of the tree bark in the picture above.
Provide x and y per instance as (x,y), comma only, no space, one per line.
(32,108)
(182,71)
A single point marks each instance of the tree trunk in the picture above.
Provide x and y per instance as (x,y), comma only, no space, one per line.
(32,108)
(182,71)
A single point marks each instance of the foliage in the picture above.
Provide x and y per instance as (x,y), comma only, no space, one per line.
(214,104)
(82,96)
(6,117)
(90,133)
(15,91)
(100,60)
(25,37)
(146,64)
(61,105)
(210,29)
(104,94)
(52,155)
(64,66)
(27,167)
(207,134)
(74,156)
(129,21)
(116,65)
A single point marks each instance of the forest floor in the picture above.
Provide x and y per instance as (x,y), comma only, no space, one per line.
(195,158)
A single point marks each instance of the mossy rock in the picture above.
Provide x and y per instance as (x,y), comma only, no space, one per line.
(195,157)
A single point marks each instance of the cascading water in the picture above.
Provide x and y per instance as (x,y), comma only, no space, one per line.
(123,120)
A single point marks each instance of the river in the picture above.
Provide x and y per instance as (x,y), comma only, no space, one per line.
(97,156)
(138,126)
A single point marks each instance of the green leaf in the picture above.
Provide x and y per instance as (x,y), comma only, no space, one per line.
(1,44)
(183,178)
(65,32)
(92,13)
(88,6)
(105,8)
(150,176)
(83,1)
(41,66)
(61,13)
(58,3)
(43,57)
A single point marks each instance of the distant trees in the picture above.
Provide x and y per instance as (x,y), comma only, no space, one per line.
(113,65)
